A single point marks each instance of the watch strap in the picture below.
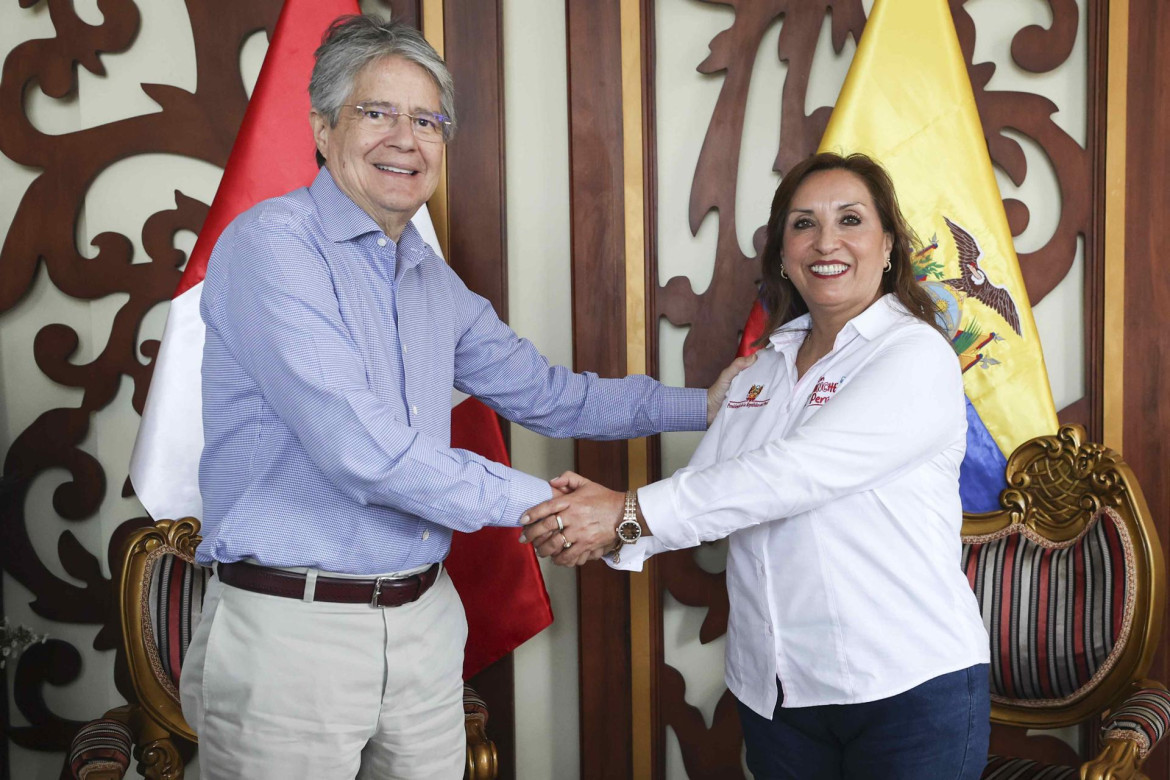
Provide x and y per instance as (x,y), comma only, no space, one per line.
(629,512)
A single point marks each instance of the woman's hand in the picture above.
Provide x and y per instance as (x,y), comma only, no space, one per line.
(575,526)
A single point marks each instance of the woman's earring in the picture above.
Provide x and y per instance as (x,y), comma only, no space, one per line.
(889,265)
(782,274)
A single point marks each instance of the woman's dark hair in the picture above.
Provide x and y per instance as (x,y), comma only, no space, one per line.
(780,298)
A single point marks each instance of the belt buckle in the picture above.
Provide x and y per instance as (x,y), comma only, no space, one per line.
(378,591)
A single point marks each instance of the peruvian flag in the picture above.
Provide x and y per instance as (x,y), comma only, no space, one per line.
(752,330)
(499,580)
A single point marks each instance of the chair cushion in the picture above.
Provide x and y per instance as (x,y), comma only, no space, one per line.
(174,605)
(1000,768)
(100,744)
(1143,718)
(1058,614)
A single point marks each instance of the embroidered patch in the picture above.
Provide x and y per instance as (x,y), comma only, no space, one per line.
(751,400)
(823,391)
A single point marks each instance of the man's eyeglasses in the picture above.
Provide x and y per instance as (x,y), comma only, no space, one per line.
(383,117)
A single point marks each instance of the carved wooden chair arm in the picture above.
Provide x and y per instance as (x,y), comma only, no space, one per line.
(482,760)
(1118,760)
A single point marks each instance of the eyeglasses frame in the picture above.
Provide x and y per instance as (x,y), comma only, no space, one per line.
(446,126)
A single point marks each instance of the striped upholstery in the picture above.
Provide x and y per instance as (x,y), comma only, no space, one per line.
(1058,614)
(1143,718)
(173,609)
(1000,768)
(473,705)
(100,744)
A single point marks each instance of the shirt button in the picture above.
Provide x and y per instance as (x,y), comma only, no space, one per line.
(426,535)
(405,349)
(381,242)
(414,409)
(767,628)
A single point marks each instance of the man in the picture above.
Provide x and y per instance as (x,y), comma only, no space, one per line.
(331,644)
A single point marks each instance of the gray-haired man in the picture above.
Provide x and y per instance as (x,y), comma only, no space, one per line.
(332,642)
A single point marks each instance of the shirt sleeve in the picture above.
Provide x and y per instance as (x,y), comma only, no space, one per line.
(633,556)
(510,375)
(276,311)
(902,408)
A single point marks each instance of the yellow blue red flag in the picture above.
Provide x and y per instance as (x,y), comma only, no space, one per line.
(907,102)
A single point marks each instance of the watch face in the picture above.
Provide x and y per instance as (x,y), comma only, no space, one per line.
(629,531)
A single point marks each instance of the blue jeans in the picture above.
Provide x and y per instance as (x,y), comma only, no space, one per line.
(935,731)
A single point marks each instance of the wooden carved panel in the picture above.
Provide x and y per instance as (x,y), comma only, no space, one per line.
(716,315)
(200,124)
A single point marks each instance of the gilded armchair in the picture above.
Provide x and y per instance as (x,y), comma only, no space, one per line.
(1071,583)
(161,596)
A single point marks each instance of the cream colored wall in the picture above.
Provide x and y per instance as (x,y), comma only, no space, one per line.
(537,151)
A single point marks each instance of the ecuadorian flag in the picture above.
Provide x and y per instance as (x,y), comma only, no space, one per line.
(907,102)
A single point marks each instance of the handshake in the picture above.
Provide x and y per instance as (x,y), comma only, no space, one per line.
(579,524)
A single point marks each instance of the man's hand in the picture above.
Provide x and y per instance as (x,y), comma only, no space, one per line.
(588,519)
(717,392)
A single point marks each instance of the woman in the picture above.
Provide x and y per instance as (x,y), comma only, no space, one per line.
(855,645)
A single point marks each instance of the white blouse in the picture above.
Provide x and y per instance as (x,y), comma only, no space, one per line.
(840,494)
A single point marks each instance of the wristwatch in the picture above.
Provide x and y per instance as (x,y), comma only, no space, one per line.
(629,530)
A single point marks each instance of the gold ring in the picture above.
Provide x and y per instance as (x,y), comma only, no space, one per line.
(567,544)
(560,524)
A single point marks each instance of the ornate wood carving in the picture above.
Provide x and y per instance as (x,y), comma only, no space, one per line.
(716,316)
(200,124)
(160,759)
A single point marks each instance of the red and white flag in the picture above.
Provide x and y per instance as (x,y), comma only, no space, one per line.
(498,579)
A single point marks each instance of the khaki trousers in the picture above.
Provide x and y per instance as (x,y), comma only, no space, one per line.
(280,688)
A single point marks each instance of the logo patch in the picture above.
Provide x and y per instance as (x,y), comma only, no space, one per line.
(823,391)
(751,400)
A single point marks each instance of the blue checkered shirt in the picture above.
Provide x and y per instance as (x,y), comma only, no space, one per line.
(330,357)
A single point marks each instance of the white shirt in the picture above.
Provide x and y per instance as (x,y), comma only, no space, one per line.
(840,494)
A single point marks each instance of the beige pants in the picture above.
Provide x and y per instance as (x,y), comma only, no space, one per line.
(280,688)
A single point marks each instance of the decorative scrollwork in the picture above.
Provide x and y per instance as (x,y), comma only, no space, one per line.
(200,124)
(1060,482)
(159,760)
(182,536)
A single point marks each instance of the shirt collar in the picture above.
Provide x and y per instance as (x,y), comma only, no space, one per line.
(872,322)
(344,220)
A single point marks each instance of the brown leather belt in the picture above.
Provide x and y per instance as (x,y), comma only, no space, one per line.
(379,592)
